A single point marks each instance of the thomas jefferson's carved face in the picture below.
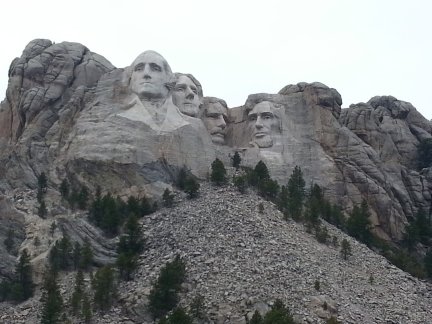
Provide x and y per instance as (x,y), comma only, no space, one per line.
(185,96)
(149,76)
(263,124)
(215,121)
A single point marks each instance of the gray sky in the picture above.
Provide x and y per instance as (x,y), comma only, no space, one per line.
(235,48)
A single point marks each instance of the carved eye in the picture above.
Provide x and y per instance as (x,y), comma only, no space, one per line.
(180,88)
(139,67)
(213,116)
(267,116)
(194,90)
(252,117)
(155,67)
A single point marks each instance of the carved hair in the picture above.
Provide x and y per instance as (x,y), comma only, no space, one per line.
(209,101)
(177,75)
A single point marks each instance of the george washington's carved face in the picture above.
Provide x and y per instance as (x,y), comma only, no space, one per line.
(185,96)
(150,73)
(263,124)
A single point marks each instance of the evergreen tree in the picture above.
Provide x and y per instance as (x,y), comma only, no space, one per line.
(296,193)
(86,256)
(282,201)
(345,249)
(218,174)
(64,189)
(178,316)
(42,182)
(83,196)
(240,183)
(168,198)
(164,294)
(52,302)
(268,189)
(129,247)
(278,314)
(23,286)
(42,210)
(197,308)
(428,263)
(133,206)
(358,224)
(191,187)
(181,178)
(86,310)
(77,295)
(105,290)
(261,172)
(145,206)
(236,160)
(256,318)
(76,255)
(423,226)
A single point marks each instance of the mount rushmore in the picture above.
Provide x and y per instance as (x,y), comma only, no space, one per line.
(70,113)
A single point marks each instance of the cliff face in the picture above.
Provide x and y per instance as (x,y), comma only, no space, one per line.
(71,114)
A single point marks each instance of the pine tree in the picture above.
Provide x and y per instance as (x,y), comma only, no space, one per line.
(105,290)
(42,182)
(164,294)
(23,283)
(236,160)
(42,210)
(256,318)
(181,178)
(345,249)
(191,187)
(86,256)
(179,316)
(240,183)
(358,224)
(76,255)
(168,198)
(83,196)
(278,314)
(52,302)
(77,295)
(64,189)
(218,174)
(86,309)
(296,193)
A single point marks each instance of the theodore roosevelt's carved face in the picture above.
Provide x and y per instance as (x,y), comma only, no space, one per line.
(150,73)
(186,97)
(214,119)
(263,124)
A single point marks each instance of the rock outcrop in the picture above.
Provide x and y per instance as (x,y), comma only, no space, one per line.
(71,114)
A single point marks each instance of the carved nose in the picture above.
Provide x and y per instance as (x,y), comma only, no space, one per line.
(222,123)
(190,95)
(258,123)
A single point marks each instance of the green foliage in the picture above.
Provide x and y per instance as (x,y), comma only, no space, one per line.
(42,182)
(424,152)
(314,205)
(321,234)
(42,210)
(240,182)
(86,310)
(428,263)
(256,318)
(60,256)
(181,178)
(405,261)
(197,309)
(218,174)
(64,189)
(51,300)
(236,160)
(105,290)
(86,258)
(278,314)
(317,285)
(296,193)
(358,224)
(345,249)
(261,173)
(168,198)
(129,247)
(261,208)
(164,293)
(178,316)
(77,295)
(268,188)
(82,198)
(191,187)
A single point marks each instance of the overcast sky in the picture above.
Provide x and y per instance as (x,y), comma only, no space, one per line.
(235,48)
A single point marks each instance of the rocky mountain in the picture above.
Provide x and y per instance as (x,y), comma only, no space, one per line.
(71,114)
(240,260)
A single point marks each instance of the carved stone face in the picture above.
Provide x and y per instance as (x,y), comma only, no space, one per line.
(185,96)
(263,124)
(150,74)
(215,121)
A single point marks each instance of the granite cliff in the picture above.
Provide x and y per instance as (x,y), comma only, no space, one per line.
(71,114)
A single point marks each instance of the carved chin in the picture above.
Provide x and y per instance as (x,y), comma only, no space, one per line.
(189,110)
(264,142)
(218,139)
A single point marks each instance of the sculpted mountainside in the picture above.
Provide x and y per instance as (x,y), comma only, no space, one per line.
(71,114)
